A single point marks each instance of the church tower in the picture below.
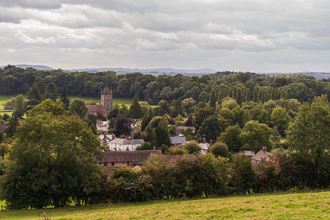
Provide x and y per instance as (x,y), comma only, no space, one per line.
(106,100)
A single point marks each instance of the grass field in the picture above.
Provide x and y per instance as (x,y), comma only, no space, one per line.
(128,102)
(297,205)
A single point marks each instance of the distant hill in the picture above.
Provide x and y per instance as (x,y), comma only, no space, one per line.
(157,70)
(37,67)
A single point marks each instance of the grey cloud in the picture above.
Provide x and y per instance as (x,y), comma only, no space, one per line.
(39,4)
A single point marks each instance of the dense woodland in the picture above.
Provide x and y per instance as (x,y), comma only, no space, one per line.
(49,160)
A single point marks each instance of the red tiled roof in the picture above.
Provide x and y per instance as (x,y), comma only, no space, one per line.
(127,156)
(92,109)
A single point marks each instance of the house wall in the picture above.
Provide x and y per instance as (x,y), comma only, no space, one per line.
(123,147)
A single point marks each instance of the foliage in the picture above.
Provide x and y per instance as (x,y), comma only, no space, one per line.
(161,134)
(255,135)
(12,126)
(176,151)
(192,147)
(49,165)
(56,108)
(280,119)
(64,98)
(211,128)
(231,138)
(241,172)
(229,103)
(78,107)
(122,125)
(219,149)
(19,104)
(135,110)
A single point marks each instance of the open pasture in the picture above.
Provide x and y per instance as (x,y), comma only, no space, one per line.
(284,205)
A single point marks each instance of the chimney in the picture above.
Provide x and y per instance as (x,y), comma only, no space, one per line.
(264,149)
(204,140)
(127,149)
(154,147)
(113,137)
(210,142)
(129,138)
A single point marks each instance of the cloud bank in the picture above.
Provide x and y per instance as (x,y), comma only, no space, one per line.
(244,35)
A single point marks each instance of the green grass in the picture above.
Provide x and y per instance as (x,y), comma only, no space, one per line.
(284,205)
(127,102)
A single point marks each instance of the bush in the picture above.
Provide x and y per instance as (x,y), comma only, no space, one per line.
(241,172)
(219,149)
(192,147)
(145,146)
(176,151)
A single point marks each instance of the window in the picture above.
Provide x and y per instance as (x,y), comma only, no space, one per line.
(105,164)
(112,164)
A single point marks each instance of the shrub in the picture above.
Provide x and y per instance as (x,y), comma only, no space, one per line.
(192,147)
(219,149)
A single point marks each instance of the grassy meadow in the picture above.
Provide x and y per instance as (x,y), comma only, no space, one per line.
(283,205)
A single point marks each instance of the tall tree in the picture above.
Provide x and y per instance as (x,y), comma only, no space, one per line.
(34,93)
(12,126)
(211,128)
(42,88)
(213,99)
(64,98)
(247,98)
(51,92)
(239,97)
(220,96)
(135,111)
(19,104)
(52,163)
(161,134)
(144,123)
(78,107)
(255,94)
(122,125)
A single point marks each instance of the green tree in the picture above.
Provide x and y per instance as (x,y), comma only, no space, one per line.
(280,119)
(211,128)
(144,123)
(219,149)
(161,134)
(247,98)
(56,108)
(255,94)
(229,103)
(12,126)
(255,135)
(51,92)
(188,104)
(34,93)
(176,151)
(122,125)
(220,96)
(192,147)
(135,111)
(19,104)
(42,89)
(78,107)
(64,98)
(52,163)
(239,97)
(241,172)
(202,114)
(213,99)
(231,138)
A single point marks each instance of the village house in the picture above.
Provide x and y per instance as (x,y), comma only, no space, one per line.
(178,140)
(106,138)
(205,146)
(179,129)
(102,127)
(122,144)
(115,159)
(262,154)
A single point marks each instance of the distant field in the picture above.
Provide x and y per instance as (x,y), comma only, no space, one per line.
(299,205)
(3,99)
(127,102)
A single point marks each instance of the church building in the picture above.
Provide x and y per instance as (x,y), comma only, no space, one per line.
(106,105)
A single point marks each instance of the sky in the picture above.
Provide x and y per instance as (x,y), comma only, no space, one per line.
(237,35)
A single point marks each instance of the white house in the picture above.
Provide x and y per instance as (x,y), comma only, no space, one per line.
(103,127)
(121,144)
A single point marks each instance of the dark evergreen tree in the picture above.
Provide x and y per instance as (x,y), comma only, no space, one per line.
(230,92)
(113,113)
(12,126)
(64,98)
(213,99)
(247,98)
(255,94)
(42,88)
(51,92)
(161,134)
(234,93)
(93,128)
(239,98)
(122,125)
(144,123)
(91,120)
(220,96)
(135,111)
(177,108)
(34,93)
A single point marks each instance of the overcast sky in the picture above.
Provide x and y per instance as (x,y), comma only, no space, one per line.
(240,35)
